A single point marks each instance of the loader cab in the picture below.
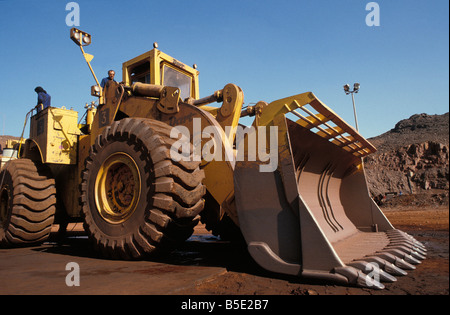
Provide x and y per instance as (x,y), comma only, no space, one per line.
(156,67)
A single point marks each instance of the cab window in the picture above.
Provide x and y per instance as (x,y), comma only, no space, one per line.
(140,73)
(175,78)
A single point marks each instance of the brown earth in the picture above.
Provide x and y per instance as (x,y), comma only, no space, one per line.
(208,268)
(429,225)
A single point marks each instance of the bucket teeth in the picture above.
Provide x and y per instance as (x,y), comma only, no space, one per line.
(386,266)
(373,268)
(411,244)
(396,241)
(397,236)
(399,262)
(402,255)
(408,246)
(407,241)
(357,277)
(399,240)
(413,251)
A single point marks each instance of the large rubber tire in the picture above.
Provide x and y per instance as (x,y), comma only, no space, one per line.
(135,199)
(27,203)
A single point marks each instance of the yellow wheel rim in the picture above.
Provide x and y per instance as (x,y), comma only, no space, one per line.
(117,188)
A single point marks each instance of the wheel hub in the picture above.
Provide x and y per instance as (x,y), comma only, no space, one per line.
(117,188)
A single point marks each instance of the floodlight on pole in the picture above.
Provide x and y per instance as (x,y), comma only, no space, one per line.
(82,39)
(347,92)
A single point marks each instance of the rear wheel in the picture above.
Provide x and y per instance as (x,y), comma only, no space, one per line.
(135,198)
(27,203)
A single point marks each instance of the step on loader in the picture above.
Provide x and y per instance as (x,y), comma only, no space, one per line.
(152,159)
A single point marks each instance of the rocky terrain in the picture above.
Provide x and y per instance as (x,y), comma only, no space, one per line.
(412,158)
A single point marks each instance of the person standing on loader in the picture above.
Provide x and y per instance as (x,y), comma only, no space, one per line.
(44,99)
(110,77)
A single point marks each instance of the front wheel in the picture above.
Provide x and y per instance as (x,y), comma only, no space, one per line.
(135,198)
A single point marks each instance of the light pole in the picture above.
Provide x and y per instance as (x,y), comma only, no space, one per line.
(347,92)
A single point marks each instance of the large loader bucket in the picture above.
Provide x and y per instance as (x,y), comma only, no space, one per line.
(313,216)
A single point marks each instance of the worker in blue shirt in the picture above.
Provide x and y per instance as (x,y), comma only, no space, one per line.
(110,77)
(43,98)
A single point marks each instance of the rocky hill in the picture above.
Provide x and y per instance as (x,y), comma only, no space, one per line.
(413,157)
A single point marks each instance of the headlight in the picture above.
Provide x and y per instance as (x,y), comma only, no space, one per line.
(95,91)
(79,37)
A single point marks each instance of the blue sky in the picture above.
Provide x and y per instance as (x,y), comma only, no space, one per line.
(271,49)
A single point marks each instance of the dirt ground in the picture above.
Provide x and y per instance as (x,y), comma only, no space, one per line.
(205,266)
(428,225)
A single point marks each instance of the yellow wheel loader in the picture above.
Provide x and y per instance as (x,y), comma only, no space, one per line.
(152,159)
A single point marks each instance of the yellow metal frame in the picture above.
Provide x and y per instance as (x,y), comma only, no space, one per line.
(326,122)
